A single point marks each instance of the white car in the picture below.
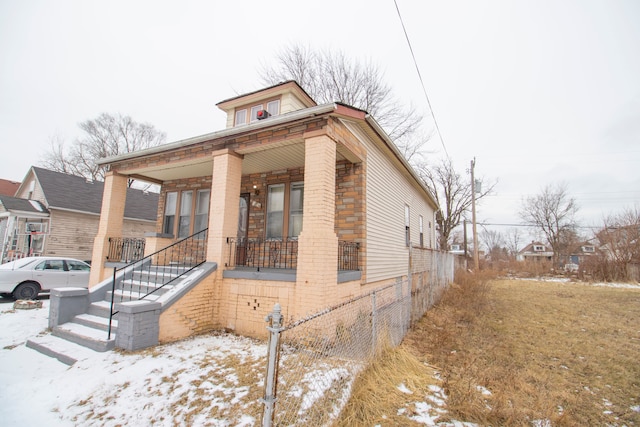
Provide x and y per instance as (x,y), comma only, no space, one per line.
(25,278)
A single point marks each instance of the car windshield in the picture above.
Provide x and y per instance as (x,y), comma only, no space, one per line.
(17,264)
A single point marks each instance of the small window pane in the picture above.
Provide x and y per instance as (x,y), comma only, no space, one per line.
(170,212)
(254,112)
(202,210)
(275,208)
(296,202)
(241,117)
(273,107)
(185,214)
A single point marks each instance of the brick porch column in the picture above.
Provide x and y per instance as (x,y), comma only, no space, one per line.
(110,225)
(317,275)
(224,208)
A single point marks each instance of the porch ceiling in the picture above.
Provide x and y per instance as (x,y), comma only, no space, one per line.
(260,159)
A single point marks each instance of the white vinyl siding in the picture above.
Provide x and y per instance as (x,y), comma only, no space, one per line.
(388,192)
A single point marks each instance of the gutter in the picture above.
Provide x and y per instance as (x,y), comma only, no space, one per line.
(256,126)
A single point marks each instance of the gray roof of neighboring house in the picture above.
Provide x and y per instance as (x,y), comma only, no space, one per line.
(23,205)
(72,192)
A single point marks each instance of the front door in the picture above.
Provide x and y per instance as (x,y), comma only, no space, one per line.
(243,225)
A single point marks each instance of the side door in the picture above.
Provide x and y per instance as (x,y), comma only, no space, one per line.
(51,274)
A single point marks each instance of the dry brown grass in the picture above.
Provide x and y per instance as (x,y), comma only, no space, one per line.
(376,397)
(564,352)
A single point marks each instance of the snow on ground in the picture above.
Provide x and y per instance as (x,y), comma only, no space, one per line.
(569,280)
(213,380)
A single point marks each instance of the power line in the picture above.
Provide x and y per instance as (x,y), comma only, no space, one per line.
(424,90)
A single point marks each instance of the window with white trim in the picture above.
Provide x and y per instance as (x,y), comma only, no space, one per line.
(407,225)
(421,231)
(272,107)
(170,204)
(241,117)
(184,225)
(281,198)
(202,210)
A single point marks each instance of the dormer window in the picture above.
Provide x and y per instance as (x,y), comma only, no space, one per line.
(272,107)
(588,249)
(241,117)
(538,248)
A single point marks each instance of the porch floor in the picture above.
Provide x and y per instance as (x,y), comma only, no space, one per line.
(281,274)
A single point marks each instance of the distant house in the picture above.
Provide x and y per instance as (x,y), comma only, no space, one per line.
(8,188)
(535,251)
(53,213)
(582,252)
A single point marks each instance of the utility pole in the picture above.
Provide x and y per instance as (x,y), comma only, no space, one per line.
(476,257)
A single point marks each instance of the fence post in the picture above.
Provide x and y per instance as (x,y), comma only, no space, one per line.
(269,400)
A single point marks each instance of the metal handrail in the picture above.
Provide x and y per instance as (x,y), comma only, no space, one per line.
(163,266)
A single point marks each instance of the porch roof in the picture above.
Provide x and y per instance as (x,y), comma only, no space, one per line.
(281,155)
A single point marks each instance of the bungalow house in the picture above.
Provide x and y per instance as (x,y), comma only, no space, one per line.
(57,214)
(536,252)
(294,203)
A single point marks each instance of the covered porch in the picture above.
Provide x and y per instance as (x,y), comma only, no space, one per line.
(284,203)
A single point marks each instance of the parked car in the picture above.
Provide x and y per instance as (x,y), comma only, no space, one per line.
(25,278)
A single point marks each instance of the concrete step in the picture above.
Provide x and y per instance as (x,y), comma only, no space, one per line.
(92,338)
(96,322)
(146,287)
(65,351)
(100,308)
(127,295)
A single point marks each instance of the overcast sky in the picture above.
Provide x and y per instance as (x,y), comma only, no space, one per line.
(539,92)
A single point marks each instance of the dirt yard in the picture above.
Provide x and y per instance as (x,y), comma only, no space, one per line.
(519,352)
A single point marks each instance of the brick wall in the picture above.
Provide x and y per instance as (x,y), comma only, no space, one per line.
(193,314)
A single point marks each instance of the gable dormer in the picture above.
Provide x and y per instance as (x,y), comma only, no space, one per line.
(265,103)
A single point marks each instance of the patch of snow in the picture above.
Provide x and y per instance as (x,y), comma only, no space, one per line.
(635,408)
(403,389)
(541,423)
(485,391)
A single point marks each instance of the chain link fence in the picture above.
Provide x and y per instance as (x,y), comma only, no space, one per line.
(313,362)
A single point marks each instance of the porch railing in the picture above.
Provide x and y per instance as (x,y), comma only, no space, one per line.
(148,275)
(348,259)
(261,253)
(125,249)
(281,254)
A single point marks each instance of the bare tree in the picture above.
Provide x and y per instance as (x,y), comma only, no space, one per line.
(620,244)
(107,135)
(492,240)
(553,212)
(332,76)
(453,195)
(512,240)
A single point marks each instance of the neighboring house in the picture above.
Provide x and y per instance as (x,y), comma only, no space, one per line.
(535,251)
(582,252)
(306,205)
(53,213)
(8,188)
